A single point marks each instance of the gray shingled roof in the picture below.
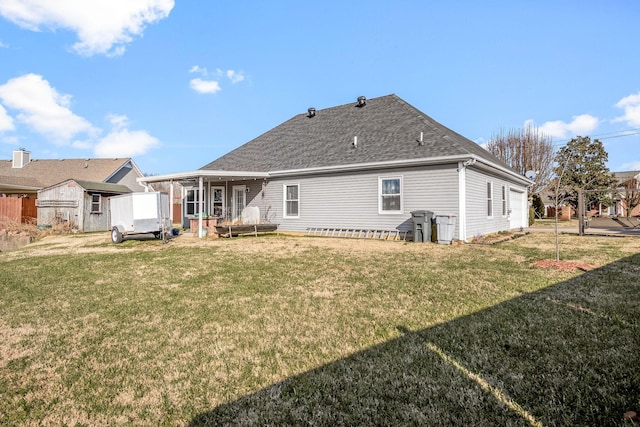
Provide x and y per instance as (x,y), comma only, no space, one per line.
(387,128)
(44,173)
(103,187)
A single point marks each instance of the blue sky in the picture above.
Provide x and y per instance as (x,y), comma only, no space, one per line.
(176,85)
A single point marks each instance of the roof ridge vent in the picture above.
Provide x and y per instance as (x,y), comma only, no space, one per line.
(312,112)
(362,101)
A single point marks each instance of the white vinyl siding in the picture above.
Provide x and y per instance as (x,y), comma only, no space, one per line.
(390,195)
(291,199)
(477,205)
(354,199)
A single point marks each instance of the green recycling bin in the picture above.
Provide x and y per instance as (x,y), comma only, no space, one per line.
(421,225)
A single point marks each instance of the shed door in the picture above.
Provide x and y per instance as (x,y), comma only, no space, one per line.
(518,211)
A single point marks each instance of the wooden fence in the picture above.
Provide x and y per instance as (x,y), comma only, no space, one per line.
(18,209)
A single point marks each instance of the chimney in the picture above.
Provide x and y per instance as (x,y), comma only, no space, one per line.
(20,158)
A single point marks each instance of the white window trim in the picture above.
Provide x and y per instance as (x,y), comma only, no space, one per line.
(504,202)
(489,198)
(195,202)
(284,200)
(211,193)
(380,210)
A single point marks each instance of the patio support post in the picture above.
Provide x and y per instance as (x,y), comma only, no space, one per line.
(171,202)
(201,203)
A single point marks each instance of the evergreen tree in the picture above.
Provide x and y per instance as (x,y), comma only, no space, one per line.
(581,164)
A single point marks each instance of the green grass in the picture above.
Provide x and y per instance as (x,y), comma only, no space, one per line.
(282,331)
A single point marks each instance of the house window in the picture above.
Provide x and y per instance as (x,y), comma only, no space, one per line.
(390,200)
(490,199)
(96,203)
(504,200)
(218,201)
(193,202)
(292,201)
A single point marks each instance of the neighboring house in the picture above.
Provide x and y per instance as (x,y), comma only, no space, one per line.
(23,177)
(365,165)
(628,187)
(81,205)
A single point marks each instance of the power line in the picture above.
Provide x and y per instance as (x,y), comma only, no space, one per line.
(616,134)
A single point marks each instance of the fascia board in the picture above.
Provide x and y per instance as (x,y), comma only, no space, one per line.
(202,173)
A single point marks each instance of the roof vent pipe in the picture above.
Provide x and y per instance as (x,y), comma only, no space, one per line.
(362,101)
(312,112)
(421,140)
(354,144)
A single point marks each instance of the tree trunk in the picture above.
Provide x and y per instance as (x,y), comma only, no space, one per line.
(580,212)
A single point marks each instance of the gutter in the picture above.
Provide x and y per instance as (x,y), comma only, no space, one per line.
(203,173)
(335,169)
(473,159)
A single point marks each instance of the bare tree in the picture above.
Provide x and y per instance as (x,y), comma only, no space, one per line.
(630,192)
(525,150)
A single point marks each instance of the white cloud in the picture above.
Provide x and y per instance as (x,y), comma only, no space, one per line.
(631,166)
(205,86)
(234,76)
(11,140)
(125,143)
(102,26)
(213,86)
(122,142)
(198,69)
(631,106)
(580,125)
(3,44)
(43,109)
(6,122)
(47,112)
(118,121)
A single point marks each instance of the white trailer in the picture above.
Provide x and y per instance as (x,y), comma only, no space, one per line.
(139,213)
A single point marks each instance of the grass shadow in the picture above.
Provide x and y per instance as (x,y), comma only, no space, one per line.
(565,355)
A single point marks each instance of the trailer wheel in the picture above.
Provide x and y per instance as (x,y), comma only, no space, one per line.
(116,235)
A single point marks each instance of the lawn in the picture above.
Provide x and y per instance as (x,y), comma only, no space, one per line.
(289,330)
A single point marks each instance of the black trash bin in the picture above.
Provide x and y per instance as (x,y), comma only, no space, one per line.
(421,226)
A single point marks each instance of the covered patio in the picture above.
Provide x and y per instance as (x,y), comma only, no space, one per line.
(211,197)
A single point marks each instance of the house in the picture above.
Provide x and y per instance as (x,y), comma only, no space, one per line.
(366,165)
(627,194)
(22,177)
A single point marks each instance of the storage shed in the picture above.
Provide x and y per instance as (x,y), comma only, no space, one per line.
(82,205)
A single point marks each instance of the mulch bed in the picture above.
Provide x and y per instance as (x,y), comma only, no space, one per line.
(563,265)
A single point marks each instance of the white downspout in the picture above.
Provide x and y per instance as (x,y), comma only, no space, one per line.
(201,202)
(462,204)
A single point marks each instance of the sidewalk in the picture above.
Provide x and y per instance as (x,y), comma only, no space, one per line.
(618,232)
